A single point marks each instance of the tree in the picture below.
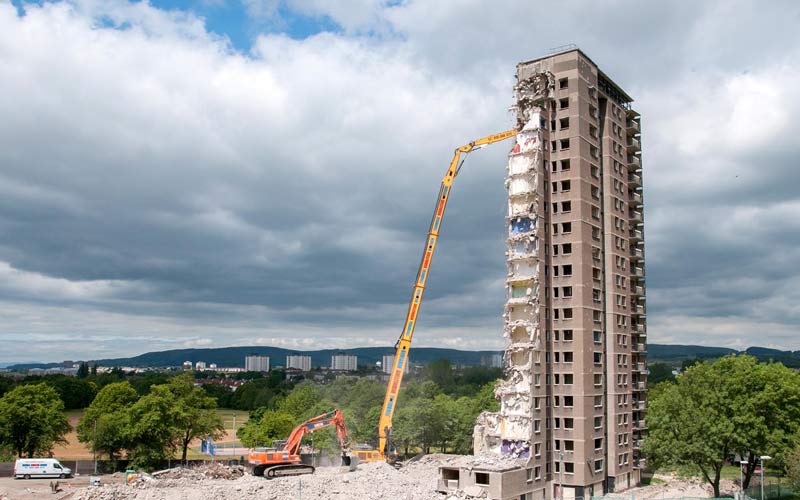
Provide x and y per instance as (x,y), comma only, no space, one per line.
(74,392)
(32,419)
(300,403)
(716,410)
(265,426)
(152,433)
(793,468)
(83,370)
(105,423)
(193,414)
(441,373)
(660,372)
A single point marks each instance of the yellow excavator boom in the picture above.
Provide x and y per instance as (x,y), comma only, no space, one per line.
(385,449)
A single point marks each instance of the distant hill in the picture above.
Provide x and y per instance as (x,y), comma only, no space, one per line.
(234,356)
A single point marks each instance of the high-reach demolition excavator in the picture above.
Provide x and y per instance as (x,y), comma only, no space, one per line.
(386,449)
(285,460)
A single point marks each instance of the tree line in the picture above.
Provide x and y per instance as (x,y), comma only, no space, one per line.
(717,412)
(147,429)
(150,417)
(434,411)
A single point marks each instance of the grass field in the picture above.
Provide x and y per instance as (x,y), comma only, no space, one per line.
(75,450)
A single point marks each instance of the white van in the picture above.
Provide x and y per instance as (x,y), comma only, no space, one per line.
(27,468)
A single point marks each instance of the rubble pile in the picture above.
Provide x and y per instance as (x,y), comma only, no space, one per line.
(208,471)
(417,481)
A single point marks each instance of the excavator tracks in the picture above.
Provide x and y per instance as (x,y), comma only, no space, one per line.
(287,470)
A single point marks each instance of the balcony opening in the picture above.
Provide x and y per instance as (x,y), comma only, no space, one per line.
(563,83)
(566,206)
(563,144)
(565,186)
(563,123)
(520,334)
(563,103)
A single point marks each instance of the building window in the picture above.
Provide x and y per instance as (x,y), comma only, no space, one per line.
(569,468)
(566,248)
(482,478)
(568,357)
(563,103)
(529,475)
(598,358)
(565,185)
(598,401)
(537,450)
(598,379)
(568,380)
(566,206)
(568,400)
(567,270)
(598,422)
(567,335)
(563,123)
(564,165)
(598,443)
(537,471)
(568,423)
(598,465)
(566,227)
(563,144)
(568,313)
(563,83)
(569,445)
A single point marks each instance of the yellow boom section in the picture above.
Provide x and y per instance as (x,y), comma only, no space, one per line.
(404,343)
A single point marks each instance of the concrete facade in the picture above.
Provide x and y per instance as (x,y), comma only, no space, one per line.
(387,364)
(299,362)
(573,402)
(255,363)
(344,362)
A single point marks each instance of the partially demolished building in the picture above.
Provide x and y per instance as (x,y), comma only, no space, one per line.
(573,400)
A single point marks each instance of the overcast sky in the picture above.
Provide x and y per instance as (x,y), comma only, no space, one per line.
(197,174)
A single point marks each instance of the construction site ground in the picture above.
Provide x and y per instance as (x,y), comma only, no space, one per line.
(416,480)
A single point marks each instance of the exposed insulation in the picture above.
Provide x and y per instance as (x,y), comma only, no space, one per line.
(509,432)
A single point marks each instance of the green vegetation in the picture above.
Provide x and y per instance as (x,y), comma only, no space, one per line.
(714,411)
(32,420)
(153,416)
(436,411)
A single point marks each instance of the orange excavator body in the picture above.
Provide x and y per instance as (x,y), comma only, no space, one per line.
(285,460)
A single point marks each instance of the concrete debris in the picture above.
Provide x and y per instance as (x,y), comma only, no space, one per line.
(208,471)
(369,481)
(509,431)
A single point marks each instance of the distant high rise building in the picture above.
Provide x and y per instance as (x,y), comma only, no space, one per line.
(299,362)
(387,364)
(346,362)
(187,365)
(492,360)
(254,363)
(200,365)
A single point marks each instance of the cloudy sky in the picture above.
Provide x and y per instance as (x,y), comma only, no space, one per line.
(212,173)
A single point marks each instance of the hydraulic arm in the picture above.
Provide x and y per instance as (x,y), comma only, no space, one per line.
(286,461)
(386,450)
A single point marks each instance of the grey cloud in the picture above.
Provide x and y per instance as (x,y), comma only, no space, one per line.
(284,194)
